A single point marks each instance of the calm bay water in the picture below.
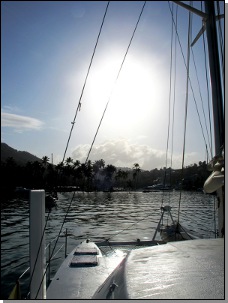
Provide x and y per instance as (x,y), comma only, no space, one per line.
(98,216)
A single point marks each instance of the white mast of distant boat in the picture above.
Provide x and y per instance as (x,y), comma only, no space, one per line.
(216,180)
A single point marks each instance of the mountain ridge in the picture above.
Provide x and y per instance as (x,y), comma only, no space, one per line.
(20,157)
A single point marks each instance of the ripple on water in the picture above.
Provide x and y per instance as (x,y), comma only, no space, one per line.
(116,216)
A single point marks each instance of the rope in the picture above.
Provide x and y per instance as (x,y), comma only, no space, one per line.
(189,78)
(207,82)
(174,97)
(201,98)
(121,66)
(169,111)
(79,102)
(78,108)
(73,123)
(186,104)
(96,132)
(128,227)
(220,39)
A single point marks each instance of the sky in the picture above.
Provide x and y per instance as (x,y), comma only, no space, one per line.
(47,48)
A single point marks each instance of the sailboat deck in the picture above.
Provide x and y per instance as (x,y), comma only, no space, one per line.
(179,270)
(192,269)
(81,273)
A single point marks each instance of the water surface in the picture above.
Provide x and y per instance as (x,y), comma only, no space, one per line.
(97,216)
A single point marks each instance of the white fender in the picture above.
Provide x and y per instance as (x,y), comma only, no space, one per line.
(214,181)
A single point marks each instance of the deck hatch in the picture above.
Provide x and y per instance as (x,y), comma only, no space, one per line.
(86,251)
(84,260)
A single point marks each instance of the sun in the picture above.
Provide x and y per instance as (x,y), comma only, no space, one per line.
(135,94)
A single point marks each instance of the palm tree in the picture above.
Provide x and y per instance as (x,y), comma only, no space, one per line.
(86,174)
(136,171)
(69,161)
(121,175)
(45,161)
(98,167)
(109,171)
(124,177)
(89,174)
(100,163)
(76,164)
(69,169)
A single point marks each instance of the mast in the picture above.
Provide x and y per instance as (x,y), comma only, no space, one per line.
(216,83)
(215,182)
(209,20)
(217,177)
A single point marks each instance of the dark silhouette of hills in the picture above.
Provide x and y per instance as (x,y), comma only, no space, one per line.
(20,157)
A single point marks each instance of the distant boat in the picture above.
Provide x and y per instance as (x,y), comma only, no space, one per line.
(157,187)
(21,189)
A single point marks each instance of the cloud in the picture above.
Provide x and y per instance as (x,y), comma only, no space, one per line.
(20,123)
(122,153)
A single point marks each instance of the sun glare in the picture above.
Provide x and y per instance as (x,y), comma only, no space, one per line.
(138,93)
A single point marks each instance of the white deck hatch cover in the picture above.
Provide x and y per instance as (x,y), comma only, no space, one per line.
(86,251)
(84,255)
(84,260)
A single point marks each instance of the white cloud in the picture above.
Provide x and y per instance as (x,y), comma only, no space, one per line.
(11,108)
(20,123)
(122,153)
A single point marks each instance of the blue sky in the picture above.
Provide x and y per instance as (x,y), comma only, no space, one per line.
(46,51)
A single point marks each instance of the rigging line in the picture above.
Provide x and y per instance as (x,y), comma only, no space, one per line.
(221,39)
(96,132)
(186,103)
(129,227)
(174,96)
(169,109)
(121,66)
(208,96)
(129,44)
(52,253)
(79,102)
(173,113)
(201,98)
(190,83)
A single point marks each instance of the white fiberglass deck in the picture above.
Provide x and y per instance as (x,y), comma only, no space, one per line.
(192,269)
(81,274)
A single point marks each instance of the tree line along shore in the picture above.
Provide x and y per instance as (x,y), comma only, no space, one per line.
(97,176)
